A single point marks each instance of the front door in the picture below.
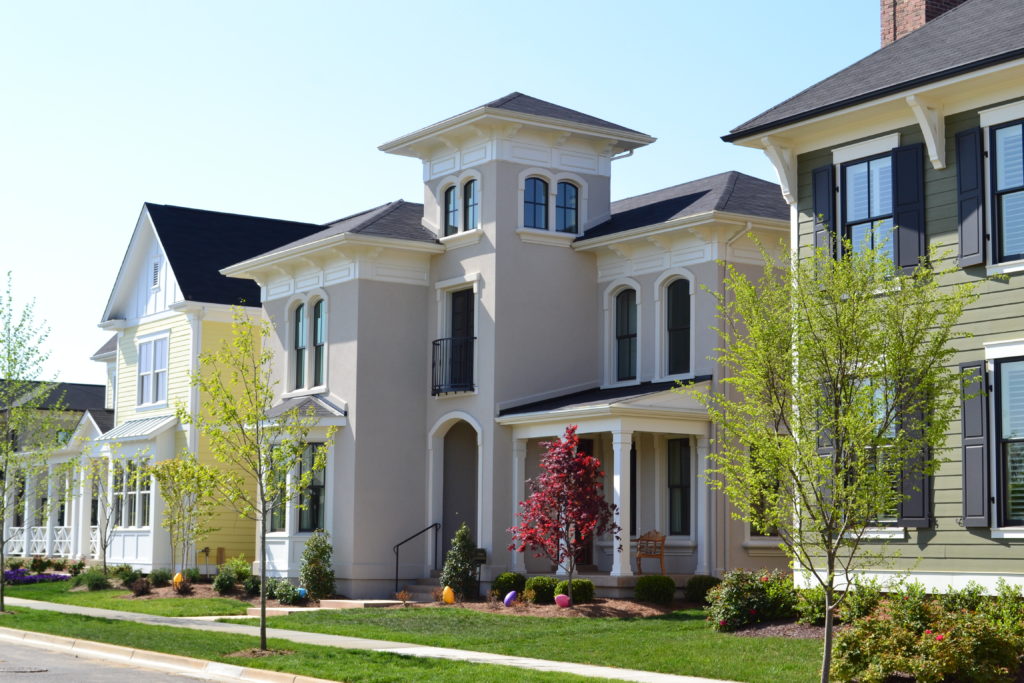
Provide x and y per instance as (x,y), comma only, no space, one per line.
(459,502)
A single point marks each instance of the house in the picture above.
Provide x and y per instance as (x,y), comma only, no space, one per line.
(448,340)
(921,143)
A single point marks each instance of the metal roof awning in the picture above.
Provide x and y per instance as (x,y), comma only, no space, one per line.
(136,430)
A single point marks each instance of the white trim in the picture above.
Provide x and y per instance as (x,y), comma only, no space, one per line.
(1001,114)
(1008,348)
(1003,267)
(608,297)
(1008,533)
(454,282)
(866,148)
(462,238)
(885,533)
(661,324)
(934,582)
(147,339)
(548,237)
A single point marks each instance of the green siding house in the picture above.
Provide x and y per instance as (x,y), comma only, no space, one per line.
(922,143)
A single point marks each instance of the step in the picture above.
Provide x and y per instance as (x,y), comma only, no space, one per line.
(356,604)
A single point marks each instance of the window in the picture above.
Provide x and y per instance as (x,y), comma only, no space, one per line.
(311,516)
(300,346)
(567,208)
(678,317)
(1008,190)
(153,371)
(868,205)
(471,204)
(679,487)
(319,335)
(1010,430)
(451,212)
(535,204)
(625,335)
(131,495)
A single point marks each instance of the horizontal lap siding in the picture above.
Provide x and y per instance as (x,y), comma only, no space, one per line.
(179,359)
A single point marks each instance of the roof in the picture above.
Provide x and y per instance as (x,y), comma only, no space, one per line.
(398,220)
(199,243)
(597,396)
(732,191)
(70,395)
(109,346)
(320,406)
(976,34)
(104,419)
(139,429)
(524,104)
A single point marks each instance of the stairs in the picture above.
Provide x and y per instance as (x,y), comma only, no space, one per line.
(422,590)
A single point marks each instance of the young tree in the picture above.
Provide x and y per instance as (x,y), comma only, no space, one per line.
(259,455)
(459,571)
(188,488)
(106,475)
(566,507)
(838,385)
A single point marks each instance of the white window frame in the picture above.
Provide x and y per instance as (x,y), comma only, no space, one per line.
(307,301)
(460,237)
(665,511)
(997,350)
(550,235)
(153,400)
(442,293)
(858,151)
(122,494)
(996,116)
(661,286)
(610,355)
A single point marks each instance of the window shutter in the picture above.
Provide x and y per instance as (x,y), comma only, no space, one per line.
(824,220)
(908,205)
(970,200)
(916,487)
(974,447)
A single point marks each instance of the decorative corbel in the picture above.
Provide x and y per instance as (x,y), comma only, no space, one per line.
(661,241)
(511,129)
(621,250)
(447,142)
(933,127)
(559,138)
(784,161)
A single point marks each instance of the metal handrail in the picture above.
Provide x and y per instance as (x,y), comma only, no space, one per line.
(436,526)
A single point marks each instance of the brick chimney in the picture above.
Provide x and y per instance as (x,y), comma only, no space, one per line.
(900,17)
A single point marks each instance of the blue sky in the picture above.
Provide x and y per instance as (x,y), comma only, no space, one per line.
(277,109)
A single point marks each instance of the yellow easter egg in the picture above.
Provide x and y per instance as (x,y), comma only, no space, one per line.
(448,595)
(177,580)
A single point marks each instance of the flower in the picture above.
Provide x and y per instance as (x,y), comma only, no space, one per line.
(939,637)
(722,622)
(928,630)
(764,579)
(753,611)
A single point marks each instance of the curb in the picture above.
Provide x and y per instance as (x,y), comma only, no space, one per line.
(149,659)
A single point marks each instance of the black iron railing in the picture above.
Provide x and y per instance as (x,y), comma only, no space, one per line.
(452,367)
(436,526)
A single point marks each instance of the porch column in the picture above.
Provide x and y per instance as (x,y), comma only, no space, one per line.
(29,516)
(49,511)
(703,525)
(518,494)
(622,443)
(82,518)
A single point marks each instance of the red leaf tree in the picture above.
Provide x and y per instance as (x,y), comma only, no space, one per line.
(566,506)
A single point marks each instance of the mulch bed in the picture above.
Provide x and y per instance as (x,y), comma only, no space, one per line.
(600,607)
(783,629)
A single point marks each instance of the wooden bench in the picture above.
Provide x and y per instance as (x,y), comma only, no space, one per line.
(651,544)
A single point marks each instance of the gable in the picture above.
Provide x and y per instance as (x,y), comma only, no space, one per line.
(145,284)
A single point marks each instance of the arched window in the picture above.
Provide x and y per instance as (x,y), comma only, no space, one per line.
(300,346)
(678,316)
(567,208)
(319,335)
(535,204)
(451,212)
(471,204)
(625,335)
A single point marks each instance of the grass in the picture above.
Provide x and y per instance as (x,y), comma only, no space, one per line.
(59,591)
(309,660)
(678,643)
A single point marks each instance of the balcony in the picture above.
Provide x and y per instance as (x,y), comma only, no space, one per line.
(452,366)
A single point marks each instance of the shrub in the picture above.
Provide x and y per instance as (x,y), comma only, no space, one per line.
(76,568)
(38,565)
(252,585)
(160,578)
(861,599)
(224,582)
(543,588)
(140,586)
(15,563)
(192,575)
(780,595)
(94,579)
(870,649)
(696,589)
(316,572)
(131,578)
(969,598)
(183,588)
(659,589)
(582,590)
(287,594)
(508,581)
(1007,608)
(739,600)
(810,605)
(59,564)
(271,589)
(240,567)
(459,569)
(122,572)
(909,606)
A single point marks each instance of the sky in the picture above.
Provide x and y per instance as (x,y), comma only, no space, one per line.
(277,109)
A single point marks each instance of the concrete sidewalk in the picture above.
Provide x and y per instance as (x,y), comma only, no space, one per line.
(352,643)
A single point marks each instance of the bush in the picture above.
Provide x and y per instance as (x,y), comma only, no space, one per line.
(696,589)
(508,581)
(1007,608)
(739,600)
(122,572)
(140,586)
(252,585)
(131,578)
(240,568)
(459,569)
(287,594)
(909,606)
(969,598)
(224,582)
(15,563)
(543,588)
(271,589)
(658,589)
(94,579)
(861,599)
(76,568)
(192,575)
(810,605)
(582,590)
(160,578)
(316,572)
(780,595)
(38,565)
(59,564)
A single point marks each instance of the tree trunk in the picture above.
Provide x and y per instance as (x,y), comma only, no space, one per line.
(826,658)
(263,582)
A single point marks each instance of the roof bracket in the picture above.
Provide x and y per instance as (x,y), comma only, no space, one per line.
(933,127)
(784,161)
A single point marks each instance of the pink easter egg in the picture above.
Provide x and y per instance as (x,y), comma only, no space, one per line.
(510,598)
(562,600)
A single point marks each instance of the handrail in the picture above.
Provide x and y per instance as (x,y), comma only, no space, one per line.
(436,526)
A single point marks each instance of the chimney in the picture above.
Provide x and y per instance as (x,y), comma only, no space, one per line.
(900,17)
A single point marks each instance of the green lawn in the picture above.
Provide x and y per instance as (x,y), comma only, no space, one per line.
(321,662)
(58,591)
(678,643)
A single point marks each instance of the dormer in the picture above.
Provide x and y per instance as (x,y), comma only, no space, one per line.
(520,164)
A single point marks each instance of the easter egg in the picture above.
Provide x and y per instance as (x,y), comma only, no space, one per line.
(448,595)
(562,600)
(303,593)
(510,598)
(178,580)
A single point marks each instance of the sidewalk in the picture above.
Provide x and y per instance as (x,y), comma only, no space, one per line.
(352,643)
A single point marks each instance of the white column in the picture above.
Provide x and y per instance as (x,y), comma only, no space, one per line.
(703,521)
(83,514)
(622,442)
(29,518)
(49,511)
(518,494)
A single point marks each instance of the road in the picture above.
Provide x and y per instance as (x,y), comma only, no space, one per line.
(36,665)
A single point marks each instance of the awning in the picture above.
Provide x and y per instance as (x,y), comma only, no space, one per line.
(135,430)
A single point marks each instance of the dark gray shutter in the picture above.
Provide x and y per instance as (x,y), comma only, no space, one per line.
(916,487)
(908,205)
(974,446)
(824,201)
(970,200)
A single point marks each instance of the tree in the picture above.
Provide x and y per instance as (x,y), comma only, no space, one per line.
(259,456)
(106,474)
(838,385)
(316,573)
(459,571)
(566,506)
(187,487)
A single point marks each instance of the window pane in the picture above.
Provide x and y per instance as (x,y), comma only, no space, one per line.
(451,221)
(882,237)
(1011,219)
(300,327)
(145,389)
(144,509)
(881,186)
(1009,162)
(535,208)
(469,198)
(146,357)
(566,215)
(159,386)
(1015,482)
(318,322)
(160,354)
(860,235)
(678,309)
(300,368)
(1011,399)
(856,194)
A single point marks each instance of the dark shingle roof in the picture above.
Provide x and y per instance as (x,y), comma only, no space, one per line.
(70,395)
(976,34)
(109,346)
(104,419)
(398,220)
(524,104)
(199,243)
(732,191)
(580,399)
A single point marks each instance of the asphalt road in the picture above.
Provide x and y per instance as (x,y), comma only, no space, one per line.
(36,665)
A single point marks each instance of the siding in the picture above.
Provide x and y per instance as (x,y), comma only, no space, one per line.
(179,354)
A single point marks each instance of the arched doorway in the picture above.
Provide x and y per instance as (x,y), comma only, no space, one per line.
(459,487)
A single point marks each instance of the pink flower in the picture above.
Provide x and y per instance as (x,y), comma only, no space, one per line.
(764,579)
(722,622)
(939,637)
(927,630)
